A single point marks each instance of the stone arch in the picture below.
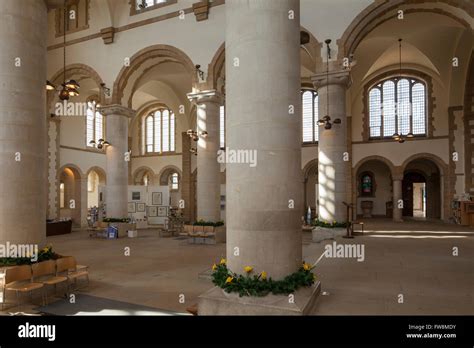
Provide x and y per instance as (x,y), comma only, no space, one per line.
(74,168)
(442,166)
(95,197)
(75,192)
(136,61)
(356,176)
(375,14)
(216,67)
(309,167)
(382,159)
(446,181)
(78,72)
(100,172)
(166,172)
(140,172)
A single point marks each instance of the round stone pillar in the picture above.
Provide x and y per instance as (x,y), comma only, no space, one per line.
(117,119)
(263,171)
(23,155)
(208,169)
(397,196)
(332,146)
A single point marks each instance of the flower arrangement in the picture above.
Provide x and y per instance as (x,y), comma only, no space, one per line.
(44,254)
(208,223)
(326,224)
(258,284)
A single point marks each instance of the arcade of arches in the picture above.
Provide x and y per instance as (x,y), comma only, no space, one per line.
(166,99)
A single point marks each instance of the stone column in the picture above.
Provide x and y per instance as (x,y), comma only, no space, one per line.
(397,195)
(23,124)
(263,80)
(332,148)
(117,119)
(186,177)
(83,183)
(264,183)
(208,169)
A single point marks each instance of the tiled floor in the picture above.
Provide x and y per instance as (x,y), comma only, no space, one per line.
(413,259)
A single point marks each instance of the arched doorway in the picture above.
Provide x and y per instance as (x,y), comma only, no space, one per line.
(171,176)
(144,176)
(421,189)
(96,193)
(71,188)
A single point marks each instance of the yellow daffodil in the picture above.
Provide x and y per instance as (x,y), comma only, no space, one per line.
(263,275)
(214,267)
(306,266)
(314,276)
(248,269)
(223,261)
(229,280)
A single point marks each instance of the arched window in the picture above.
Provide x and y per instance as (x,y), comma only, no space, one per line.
(141,5)
(146,179)
(222,126)
(174,181)
(397,105)
(61,195)
(160,131)
(310,116)
(367,184)
(94,123)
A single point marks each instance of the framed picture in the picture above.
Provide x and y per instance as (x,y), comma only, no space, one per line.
(157,198)
(135,196)
(162,211)
(131,207)
(140,207)
(152,211)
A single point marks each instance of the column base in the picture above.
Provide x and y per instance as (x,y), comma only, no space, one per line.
(217,302)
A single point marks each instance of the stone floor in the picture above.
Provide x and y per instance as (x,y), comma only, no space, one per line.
(414,259)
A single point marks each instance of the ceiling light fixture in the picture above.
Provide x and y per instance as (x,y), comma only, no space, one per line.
(326,120)
(100,144)
(399,137)
(68,88)
(193,134)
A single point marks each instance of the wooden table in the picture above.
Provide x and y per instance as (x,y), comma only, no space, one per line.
(58,227)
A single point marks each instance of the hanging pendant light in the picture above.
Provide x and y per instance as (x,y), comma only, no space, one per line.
(399,137)
(326,120)
(68,88)
(50,86)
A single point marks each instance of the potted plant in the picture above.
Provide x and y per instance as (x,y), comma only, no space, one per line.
(328,230)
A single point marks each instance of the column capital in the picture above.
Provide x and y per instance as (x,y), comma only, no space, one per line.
(117,109)
(340,77)
(209,96)
(398,174)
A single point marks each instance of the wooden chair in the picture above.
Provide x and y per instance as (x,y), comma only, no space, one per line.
(96,230)
(45,273)
(67,266)
(19,279)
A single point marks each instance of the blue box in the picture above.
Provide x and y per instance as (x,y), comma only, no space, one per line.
(112,232)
